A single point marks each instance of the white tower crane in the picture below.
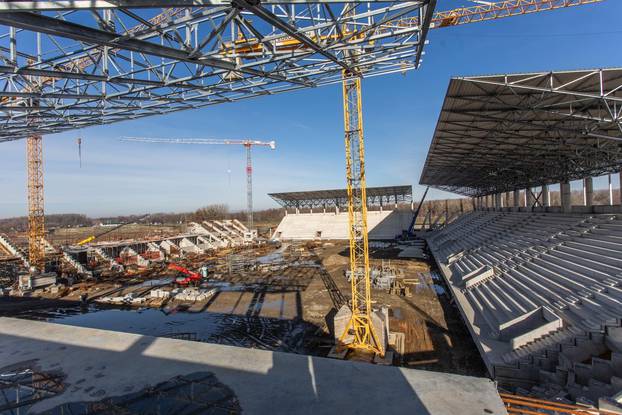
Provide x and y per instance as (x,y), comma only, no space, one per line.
(247,143)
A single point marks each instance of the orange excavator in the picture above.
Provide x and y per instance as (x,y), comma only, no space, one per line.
(190,276)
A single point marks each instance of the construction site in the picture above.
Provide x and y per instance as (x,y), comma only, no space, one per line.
(504,299)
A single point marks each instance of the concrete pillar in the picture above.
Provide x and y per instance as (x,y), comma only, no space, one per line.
(588,191)
(565,197)
(529,199)
(546,196)
(610,191)
(516,200)
(498,205)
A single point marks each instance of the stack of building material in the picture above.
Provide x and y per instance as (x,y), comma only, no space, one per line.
(194,294)
(160,293)
(30,282)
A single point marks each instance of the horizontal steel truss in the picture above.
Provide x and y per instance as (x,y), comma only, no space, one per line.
(76,68)
(525,130)
(326,203)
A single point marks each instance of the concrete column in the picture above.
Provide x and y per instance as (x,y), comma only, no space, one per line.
(565,197)
(610,191)
(546,196)
(516,203)
(588,191)
(506,203)
(498,205)
(529,199)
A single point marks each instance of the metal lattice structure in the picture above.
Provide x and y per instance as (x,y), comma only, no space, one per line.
(70,64)
(36,219)
(360,326)
(376,196)
(505,132)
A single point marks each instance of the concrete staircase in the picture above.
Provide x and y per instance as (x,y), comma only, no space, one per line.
(107,258)
(78,267)
(13,250)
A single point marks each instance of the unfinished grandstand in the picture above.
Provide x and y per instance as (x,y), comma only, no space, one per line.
(539,286)
(323,214)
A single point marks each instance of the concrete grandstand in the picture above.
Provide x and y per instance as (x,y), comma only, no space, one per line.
(539,286)
(323,215)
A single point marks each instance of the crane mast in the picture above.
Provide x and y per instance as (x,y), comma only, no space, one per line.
(36,218)
(360,325)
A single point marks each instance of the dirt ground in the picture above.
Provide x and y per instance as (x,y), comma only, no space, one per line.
(435,335)
(302,285)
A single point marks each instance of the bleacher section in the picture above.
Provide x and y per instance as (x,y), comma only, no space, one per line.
(542,296)
(382,225)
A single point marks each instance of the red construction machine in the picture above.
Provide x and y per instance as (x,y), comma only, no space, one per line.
(190,276)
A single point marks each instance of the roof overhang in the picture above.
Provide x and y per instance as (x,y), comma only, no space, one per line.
(504,132)
(339,197)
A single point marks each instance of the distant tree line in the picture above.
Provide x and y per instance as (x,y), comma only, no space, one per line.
(73,220)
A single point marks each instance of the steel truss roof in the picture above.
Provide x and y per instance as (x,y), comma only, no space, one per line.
(504,132)
(70,64)
(339,197)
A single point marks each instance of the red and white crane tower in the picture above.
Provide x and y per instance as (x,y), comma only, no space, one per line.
(247,143)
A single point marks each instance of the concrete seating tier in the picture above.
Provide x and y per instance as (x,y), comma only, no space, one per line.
(567,268)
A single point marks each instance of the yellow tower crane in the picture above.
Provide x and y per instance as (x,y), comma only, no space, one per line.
(360,331)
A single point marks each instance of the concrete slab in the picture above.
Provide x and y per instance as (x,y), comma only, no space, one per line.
(111,363)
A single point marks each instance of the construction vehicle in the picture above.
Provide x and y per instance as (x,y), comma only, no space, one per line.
(93,237)
(190,276)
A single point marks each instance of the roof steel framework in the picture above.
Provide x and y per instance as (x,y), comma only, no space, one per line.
(505,132)
(73,64)
(339,197)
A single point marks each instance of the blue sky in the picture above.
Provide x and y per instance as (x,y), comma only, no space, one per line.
(400,113)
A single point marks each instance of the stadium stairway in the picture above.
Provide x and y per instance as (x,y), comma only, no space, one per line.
(542,296)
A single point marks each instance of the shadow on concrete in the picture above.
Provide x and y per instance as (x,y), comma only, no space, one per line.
(98,365)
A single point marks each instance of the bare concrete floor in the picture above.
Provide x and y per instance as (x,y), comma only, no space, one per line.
(98,364)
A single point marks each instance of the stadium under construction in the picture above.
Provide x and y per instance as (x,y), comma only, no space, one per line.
(506,299)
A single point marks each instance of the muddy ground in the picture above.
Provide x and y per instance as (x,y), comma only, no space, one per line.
(288,308)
